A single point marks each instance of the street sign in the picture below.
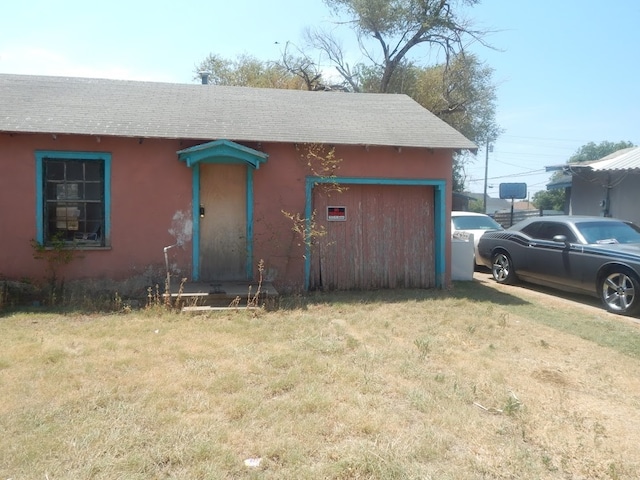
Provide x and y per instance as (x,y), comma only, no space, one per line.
(513,190)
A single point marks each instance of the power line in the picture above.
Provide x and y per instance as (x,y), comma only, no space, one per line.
(507,163)
(573,140)
(527,154)
(524,174)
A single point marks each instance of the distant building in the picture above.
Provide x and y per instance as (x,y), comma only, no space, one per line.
(607,187)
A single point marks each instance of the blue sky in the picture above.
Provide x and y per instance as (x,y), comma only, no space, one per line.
(566,71)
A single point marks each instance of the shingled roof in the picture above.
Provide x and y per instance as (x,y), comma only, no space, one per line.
(86,106)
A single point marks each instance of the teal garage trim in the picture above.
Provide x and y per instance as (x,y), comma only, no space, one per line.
(439,215)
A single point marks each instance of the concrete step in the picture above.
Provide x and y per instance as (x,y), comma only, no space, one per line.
(222,294)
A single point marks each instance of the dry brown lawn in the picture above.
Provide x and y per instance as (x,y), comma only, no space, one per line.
(481,382)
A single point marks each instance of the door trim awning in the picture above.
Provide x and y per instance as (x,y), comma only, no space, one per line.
(222,151)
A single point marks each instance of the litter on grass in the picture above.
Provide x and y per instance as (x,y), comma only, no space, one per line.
(252,462)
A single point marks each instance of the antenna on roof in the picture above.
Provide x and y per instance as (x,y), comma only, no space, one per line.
(204,76)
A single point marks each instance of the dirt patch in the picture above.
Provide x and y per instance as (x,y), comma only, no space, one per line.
(531,292)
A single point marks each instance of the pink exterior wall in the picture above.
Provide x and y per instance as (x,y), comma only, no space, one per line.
(151,194)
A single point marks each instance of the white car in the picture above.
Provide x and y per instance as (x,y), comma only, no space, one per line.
(463,223)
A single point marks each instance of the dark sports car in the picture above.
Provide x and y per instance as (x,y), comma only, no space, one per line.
(591,255)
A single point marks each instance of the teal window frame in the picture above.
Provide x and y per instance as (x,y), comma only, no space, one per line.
(42,156)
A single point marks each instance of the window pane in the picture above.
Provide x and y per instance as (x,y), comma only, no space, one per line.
(93,171)
(68,191)
(55,170)
(51,190)
(75,171)
(93,211)
(51,214)
(93,191)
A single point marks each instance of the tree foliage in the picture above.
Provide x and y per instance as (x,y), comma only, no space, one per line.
(396,27)
(461,94)
(549,199)
(593,151)
(476,206)
(248,71)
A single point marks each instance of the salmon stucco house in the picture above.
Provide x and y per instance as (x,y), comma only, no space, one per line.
(330,190)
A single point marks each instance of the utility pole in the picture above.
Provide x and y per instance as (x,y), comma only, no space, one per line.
(486,173)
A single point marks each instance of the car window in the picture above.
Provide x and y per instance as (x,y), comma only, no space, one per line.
(553,229)
(532,229)
(475,222)
(609,232)
(634,226)
(548,230)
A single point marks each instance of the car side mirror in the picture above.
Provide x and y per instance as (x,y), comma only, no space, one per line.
(561,239)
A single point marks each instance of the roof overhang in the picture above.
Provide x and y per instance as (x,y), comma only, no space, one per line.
(222,151)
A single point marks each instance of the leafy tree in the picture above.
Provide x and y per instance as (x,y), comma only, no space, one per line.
(462,95)
(549,199)
(476,206)
(397,27)
(592,151)
(248,71)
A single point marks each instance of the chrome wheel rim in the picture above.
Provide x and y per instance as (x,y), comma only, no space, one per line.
(501,268)
(618,292)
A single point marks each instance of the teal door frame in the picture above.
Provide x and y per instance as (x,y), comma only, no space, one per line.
(225,152)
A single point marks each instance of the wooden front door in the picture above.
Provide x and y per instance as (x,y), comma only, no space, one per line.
(223,229)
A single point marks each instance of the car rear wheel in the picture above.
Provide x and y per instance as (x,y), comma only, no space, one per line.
(620,293)
(502,268)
